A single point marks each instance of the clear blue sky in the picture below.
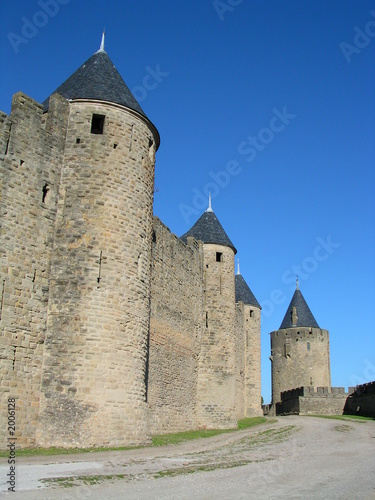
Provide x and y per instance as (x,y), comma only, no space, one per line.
(214,77)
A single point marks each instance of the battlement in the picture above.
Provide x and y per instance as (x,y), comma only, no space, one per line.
(315,392)
(313,400)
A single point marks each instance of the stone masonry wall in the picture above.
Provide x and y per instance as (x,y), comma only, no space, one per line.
(175,330)
(300,357)
(248,372)
(93,384)
(312,401)
(240,361)
(361,401)
(30,162)
(253,389)
(216,399)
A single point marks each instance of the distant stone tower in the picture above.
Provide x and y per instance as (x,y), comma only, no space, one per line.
(248,373)
(76,270)
(299,350)
(216,406)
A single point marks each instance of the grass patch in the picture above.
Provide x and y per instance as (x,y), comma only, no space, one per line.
(245,423)
(180,437)
(158,440)
(70,482)
(32,452)
(358,418)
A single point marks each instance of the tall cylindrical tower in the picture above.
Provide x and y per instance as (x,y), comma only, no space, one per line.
(216,406)
(93,380)
(248,377)
(299,350)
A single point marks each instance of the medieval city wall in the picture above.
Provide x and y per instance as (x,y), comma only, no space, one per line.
(361,401)
(175,331)
(312,401)
(30,162)
(111,328)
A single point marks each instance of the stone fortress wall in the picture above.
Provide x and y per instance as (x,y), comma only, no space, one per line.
(359,400)
(111,327)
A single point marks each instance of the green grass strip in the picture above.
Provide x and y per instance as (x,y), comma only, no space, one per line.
(159,440)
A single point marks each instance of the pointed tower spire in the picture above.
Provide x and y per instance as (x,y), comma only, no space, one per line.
(238,266)
(209,209)
(101,49)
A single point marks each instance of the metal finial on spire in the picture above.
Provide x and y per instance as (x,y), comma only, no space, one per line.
(102,42)
(209,209)
(238,266)
(297,283)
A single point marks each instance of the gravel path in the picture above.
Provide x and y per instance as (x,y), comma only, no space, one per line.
(293,458)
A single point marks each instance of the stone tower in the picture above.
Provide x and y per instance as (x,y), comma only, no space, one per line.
(88,158)
(248,373)
(216,406)
(299,350)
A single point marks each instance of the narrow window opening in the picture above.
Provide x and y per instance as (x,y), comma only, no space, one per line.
(308,346)
(45,192)
(206,319)
(219,257)
(22,162)
(97,124)
(99,269)
(7,144)
(153,236)
(287,348)
(78,140)
(114,146)
(14,357)
(206,266)
(251,313)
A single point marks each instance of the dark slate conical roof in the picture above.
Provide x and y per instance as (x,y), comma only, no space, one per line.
(209,230)
(305,316)
(243,292)
(98,78)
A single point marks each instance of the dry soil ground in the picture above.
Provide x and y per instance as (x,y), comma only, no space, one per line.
(293,458)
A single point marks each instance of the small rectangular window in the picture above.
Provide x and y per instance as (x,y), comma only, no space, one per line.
(251,313)
(219,257)
(287,348)
(97,124)
(308,346)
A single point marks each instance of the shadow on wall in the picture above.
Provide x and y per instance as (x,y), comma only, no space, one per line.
(362,401)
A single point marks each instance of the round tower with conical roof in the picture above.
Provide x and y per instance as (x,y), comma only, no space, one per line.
(93,379)
(216,406)
(299,350)
(248,372)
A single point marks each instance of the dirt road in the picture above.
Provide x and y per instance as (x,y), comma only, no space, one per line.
(293,458)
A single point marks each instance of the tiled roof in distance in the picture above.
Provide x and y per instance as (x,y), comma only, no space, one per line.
(305,316)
